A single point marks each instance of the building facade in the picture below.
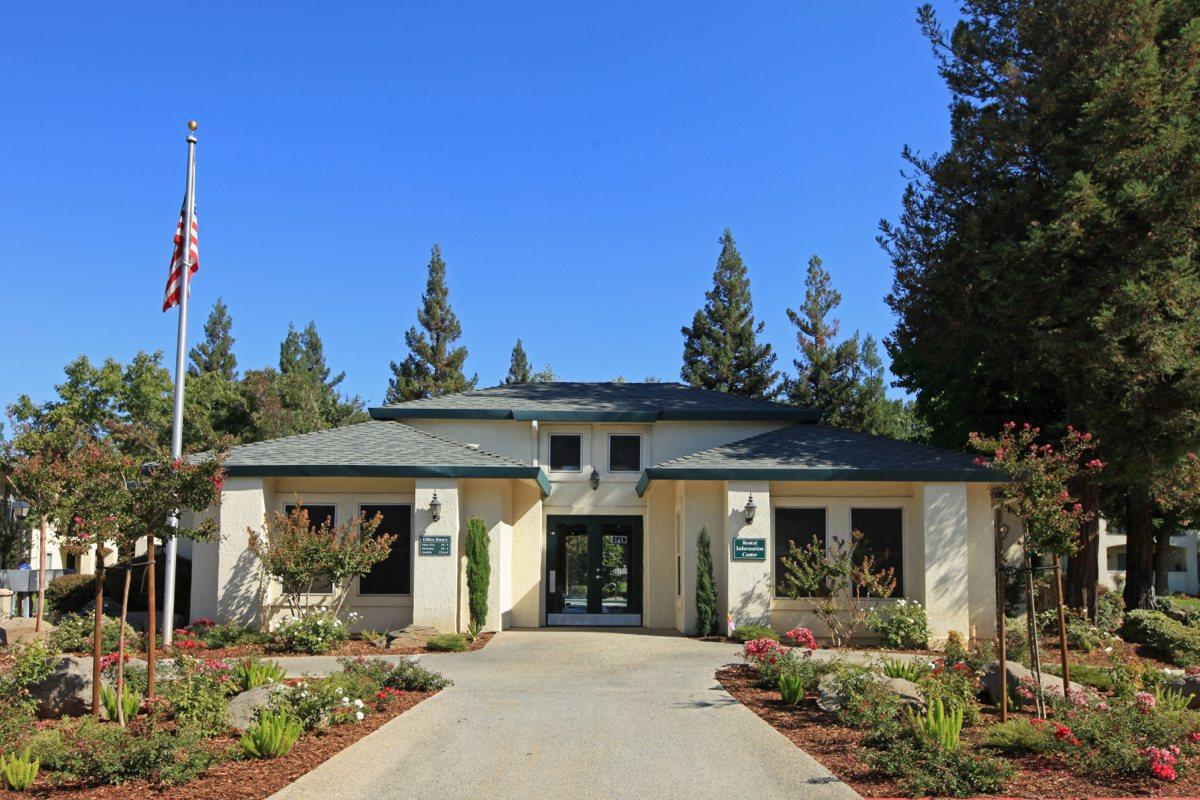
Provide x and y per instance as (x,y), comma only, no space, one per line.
(594,496)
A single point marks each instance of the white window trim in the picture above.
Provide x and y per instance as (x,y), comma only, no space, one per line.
(550,464)
(641,453)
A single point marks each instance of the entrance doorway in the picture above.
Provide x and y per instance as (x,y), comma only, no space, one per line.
(594,571)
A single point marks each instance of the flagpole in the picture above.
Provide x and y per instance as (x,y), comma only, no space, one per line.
(189,213)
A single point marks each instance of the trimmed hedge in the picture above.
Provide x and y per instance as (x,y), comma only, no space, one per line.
(70,594)
(746,633)
(447,642)
(1178,642)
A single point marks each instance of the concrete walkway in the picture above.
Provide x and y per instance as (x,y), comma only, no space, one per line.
(574,714)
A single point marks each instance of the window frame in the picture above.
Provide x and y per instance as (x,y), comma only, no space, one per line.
(333,521)
(902,569)
(411,559)
(550,436)
(775,576)
(641,453)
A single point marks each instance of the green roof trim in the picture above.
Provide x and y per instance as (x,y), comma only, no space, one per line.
(801,474)
(796,414)
(386,471)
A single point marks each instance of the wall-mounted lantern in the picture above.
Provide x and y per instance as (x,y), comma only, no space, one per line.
(435,508)
(750,510)
(595,480)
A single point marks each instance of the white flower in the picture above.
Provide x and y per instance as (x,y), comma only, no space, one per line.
(339,690)
(358,703)
(304,694)
(345,701)
(359,716)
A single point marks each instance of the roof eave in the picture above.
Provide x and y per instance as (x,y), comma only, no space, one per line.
(918,475)
(674,415)
(536,474)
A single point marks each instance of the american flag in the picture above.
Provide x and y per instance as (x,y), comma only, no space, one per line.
(175,275)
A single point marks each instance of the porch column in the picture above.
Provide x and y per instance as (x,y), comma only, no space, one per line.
(226,583)
(947,567)
(748,582)
(435,576)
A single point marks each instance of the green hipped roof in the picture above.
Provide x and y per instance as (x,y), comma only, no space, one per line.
(594,402)
(375,449)
(820,453)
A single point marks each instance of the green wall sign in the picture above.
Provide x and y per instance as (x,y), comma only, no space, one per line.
(749,549)
(433,546)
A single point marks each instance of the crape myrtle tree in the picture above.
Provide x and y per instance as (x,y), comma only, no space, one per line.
(721,350)
(1045,264)
(434,365)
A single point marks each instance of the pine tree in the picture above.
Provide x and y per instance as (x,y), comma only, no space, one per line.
(519,370)
(433,366)
(305,386)
(215,353)
(720,349)
(825,370)
(706,588)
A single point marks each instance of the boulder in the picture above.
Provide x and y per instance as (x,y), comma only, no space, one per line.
(410,637)
(138,619)
(828,698)
(1017,673)
(68,690)
(19,630)
(244,706)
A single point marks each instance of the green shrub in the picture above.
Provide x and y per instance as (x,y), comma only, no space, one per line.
(955,685)
(908,670)
(32,663)
(130,703)
(1100,678)
(18,772)
(866,702)
(900,625)
(1083,635)
(1016,641)
(447,643)
(196,696)
(231,635)
(1019,736)
(373,637)
(956,647)
(70,594)
(479,572)
(706,587)
(747,633)
(1167,700)
(74,635)
(251,673)
(271,736)
(924,769)
(311,702)
(370,673)
(791,687)
(94,752)
(1110,610)
(941,724)
(1176,641)
(315,633)
(410,677)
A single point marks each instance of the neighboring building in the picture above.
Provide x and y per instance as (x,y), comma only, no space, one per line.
(594,495)
(1182,562)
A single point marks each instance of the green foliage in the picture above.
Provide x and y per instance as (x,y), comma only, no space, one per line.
(479,572)
(448,642)
(925,769)
(410,677)
(250,673)
(908,670)
(1176,641)
(315,633)
(18,771)
(745,633)
(1015,640)
(942,724)
(865,701)
(376,638)
(956,646)
(31,664)
(1169,701)
(311,702)
(520,370)
(1110,612)
(130,702)
(706,588)
(1099,678)
(902,625)
(215,353)
(74,635)
(230,634)
(955,684)
(70,594)
(720,349)
(433,366)
(271,736)
(791,687)
(196,696)
(99,753)
(1019,736)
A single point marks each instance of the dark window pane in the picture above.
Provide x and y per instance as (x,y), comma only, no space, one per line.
(392,575)
(795,526)
(566,452)
(882,530)
(317,515)
(624,453)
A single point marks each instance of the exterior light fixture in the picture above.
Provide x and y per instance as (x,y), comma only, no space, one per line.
(750,509)
(435,508)
(595,479)
(21,509)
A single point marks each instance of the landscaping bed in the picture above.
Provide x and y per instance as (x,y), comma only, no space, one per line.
(349,649)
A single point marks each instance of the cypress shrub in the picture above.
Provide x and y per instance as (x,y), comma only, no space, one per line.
(479,571)
(706,588)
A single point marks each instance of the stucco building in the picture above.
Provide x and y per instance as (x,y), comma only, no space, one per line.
(594,495)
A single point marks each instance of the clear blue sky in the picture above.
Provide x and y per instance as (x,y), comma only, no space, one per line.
(577,163)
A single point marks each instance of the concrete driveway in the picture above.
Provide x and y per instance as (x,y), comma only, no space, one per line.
(575,714)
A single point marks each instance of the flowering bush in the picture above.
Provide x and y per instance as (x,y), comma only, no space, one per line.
(1144,702)
(311,702)
(1161,761)
(801,637)
(955,684)
(315,633)
(760,650)
(900,625)
(196,695)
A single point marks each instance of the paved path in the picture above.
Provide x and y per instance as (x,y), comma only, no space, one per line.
(578,715)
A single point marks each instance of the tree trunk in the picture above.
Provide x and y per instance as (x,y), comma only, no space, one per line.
(121,648)
(1162,561)
(151,626)
(42,536)
(1083,568)
(97,632)
(1139,555)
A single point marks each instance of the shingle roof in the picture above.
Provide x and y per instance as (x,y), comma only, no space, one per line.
(593,402)
(374,449)
(821,453)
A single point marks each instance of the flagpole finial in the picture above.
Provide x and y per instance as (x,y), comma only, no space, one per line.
(192,125)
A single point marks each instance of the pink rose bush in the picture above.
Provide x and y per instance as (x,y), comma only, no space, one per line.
(801,637)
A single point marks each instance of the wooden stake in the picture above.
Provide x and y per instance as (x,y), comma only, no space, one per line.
(45,527)
(151,627)
(1062,626)
(121,650)
(97,631)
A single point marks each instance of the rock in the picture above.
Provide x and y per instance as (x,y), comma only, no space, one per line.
(19,630)
(1186,684)
(68,690)
(1017,672)
(138,619)
(412,636)
(244,706)
(828,699)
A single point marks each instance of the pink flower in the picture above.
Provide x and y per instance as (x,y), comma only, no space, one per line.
(1161,761)
(1145,702)
(801,637)
(1095,463)
(764,650)
(1063,734)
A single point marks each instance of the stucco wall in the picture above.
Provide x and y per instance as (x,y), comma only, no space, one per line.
(527,607)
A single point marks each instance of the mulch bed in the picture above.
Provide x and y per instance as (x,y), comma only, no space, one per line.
(351,648)
(837,747)
(236,780)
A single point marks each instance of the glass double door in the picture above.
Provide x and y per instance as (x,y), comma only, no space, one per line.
(594,571)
